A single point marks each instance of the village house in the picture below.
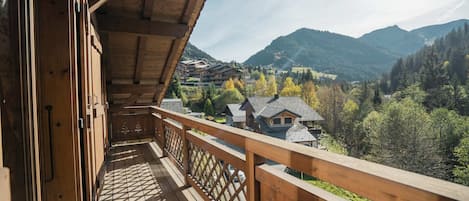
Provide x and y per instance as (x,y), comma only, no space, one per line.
(191,69)
(219,73)
(235,116)
(201,72)
(274,116)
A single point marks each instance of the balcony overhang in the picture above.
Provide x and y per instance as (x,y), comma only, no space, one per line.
(142,42)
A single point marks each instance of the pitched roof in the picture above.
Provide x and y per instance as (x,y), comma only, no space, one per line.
(174,105)
(270,106)
(238,115)
(299,133)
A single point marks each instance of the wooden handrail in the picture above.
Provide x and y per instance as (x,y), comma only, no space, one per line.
(220,151)
(292,187)
(368,179)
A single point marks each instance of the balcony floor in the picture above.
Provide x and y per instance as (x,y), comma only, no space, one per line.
(138,172)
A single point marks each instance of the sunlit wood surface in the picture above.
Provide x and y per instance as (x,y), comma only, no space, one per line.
(136,172)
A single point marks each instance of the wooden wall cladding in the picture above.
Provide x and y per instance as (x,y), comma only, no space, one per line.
(58,100)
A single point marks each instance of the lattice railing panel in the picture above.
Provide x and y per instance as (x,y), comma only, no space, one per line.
(174,144)
(218,179)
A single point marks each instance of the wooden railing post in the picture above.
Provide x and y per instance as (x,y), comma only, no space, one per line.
(185,153)
(162,135)
(253,186)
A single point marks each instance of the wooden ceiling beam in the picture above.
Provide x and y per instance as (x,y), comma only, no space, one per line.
(140,27)
(95,4)
(140,58)
(148,8)
(131,88)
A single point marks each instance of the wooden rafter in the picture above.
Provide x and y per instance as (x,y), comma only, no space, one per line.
(175,52)
(95,4)
(140,58)
(141,27)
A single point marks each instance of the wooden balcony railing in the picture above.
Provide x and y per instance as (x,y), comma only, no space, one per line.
(218,172)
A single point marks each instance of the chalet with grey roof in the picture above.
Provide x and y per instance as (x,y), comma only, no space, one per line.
(274,116)
(235,116)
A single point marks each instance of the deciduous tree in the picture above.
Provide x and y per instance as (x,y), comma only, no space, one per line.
(290,88)
(308,94)
(261,84)
(271,88)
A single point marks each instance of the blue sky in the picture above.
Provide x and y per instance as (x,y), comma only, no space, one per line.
(236,29)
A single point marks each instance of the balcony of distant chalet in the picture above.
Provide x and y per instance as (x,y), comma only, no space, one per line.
(185,158)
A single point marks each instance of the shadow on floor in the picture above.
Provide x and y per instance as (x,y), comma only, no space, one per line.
(133,173)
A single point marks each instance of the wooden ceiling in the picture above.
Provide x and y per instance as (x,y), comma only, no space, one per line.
(142,43)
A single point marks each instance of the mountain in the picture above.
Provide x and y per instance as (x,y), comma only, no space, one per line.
(191,52)
(437,31)
(401,43)
(394,40)
(349,58)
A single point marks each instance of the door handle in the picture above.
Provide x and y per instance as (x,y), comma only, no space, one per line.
(51,153)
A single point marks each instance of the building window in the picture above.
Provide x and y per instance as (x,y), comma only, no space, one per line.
(277,121)
(288,120)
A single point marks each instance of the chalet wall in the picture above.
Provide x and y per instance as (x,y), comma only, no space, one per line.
(58,100)
(282,117)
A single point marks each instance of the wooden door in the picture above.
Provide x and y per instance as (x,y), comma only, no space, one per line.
(98,103)
(94,108)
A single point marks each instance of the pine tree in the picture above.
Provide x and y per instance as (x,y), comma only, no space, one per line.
(208,108)
(377,97)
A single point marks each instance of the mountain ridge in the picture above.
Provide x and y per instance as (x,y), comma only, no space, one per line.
(191,52)
(351,58)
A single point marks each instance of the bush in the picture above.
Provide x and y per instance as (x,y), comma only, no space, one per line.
(228,96)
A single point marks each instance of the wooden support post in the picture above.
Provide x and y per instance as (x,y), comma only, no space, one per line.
(185,153)
(253,186)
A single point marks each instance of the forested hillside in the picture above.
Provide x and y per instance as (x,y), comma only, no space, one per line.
(394,40)
(440,70)
(363,58)
(432,32)
(327,52)
(400,42)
